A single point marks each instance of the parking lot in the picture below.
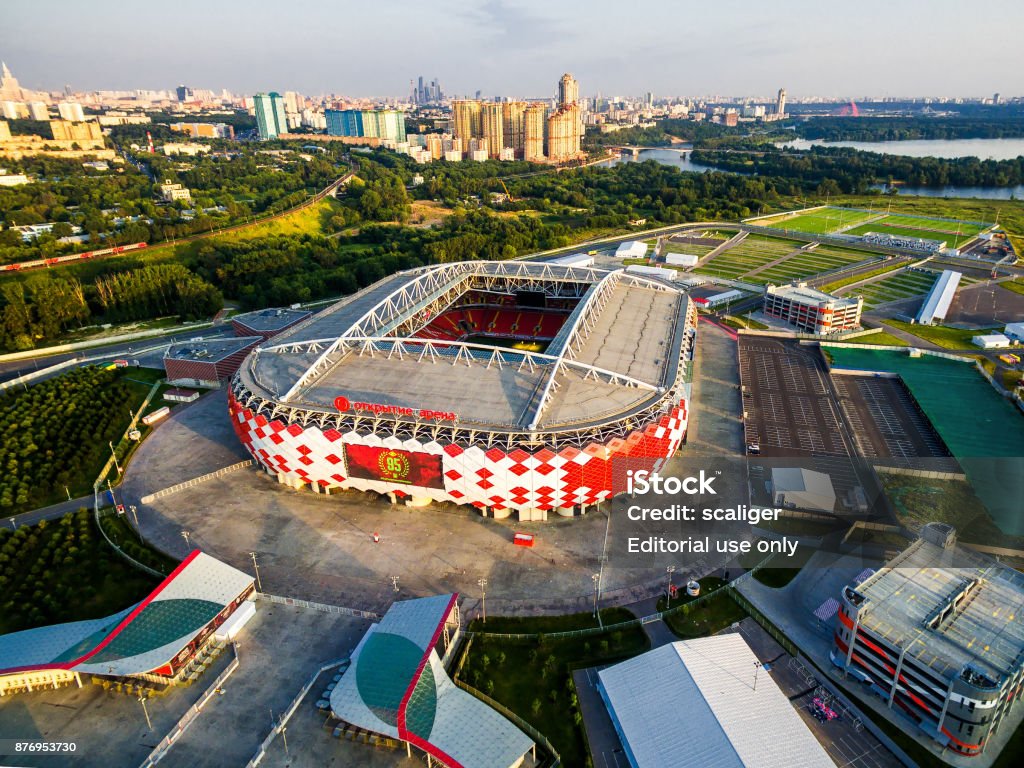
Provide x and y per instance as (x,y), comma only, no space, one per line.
(278,650)
(886,421)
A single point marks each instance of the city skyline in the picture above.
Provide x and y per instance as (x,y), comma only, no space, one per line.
(504,48)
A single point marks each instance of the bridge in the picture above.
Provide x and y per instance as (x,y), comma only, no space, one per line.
(635,151)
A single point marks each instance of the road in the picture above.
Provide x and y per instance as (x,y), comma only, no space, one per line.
(148,351)
(48,513)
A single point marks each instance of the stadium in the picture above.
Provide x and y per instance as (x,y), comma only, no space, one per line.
(510,386)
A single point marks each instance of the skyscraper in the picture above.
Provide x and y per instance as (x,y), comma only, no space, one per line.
(385,124)
(533,132)
(466,122)
(513,120)
(184,93)
(271,119)
(568,90)
(780,104)
(492,128)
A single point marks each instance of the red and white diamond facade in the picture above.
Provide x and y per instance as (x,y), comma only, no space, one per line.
(429,386)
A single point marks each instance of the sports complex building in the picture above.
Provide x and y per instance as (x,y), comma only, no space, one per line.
(939,634)
(158,640)
(511,386)
(397,686)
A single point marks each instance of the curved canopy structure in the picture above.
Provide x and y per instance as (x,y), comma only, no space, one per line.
(156,636)
(397,686)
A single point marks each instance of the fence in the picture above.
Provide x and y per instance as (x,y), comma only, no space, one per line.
(149,498)
(322,607)
(103,476)
(261,751)
(186,720)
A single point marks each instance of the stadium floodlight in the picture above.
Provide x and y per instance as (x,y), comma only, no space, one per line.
(256,567)
(483,597)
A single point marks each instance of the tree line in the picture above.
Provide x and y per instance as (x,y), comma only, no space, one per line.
(908,128)
(843,169)
(41,308)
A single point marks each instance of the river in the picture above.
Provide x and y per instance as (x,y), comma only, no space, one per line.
(1002,149)
(674,157)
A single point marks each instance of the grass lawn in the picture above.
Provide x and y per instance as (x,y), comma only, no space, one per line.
(123,535)
(818,222)
(782,569)
(833,286)
(706,618)
(517,625)
(1016,285)
(63,570)
(940,335)
(881,339)
(311,220)
(534,678)
(918,501)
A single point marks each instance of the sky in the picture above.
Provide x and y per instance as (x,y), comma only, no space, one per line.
(521,47)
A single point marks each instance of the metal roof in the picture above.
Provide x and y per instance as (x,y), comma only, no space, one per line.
(271,319)
(397,686)
(693,703)
(936,304)
(984,629)
(209,350)
(138,639)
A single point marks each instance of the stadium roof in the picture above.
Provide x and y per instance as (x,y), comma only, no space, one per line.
(265,320)
(139,639)
(936,304)
(210,350)
(922,583)
(620,352)
(397,686)
(693,703)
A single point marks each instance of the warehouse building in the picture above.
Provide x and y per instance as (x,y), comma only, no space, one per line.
(693,704)
(990,341)
(633,249)
(798,488)
(206,363)
(939,298)
(811,310)
(1014,332)
(681,259)
(267,323)
(938,635)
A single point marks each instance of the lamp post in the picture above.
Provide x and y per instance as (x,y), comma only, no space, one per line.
(113,455)
(668,595)
(135,514)
(757,666)
(483,597)
(259,584)
(596,578)
(394,583)
(142,700)
(185,535)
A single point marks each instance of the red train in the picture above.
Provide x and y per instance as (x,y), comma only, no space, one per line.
(72,257)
